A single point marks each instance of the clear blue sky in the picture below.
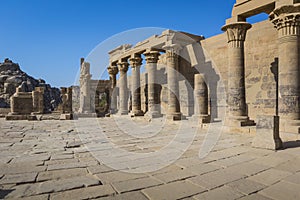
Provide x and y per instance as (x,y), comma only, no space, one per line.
(48,37)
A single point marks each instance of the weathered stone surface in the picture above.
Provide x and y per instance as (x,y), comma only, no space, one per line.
(215,179)
(175,190)
(128,195)
(136,184)
(246,186)
(19,178)
(267,133)
(53,186)
(270,176)
(58,174)
(85,193)
(114,176)
(291,191)
(175,175)
(224,192)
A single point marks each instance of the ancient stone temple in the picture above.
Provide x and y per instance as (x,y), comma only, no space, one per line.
(252,70)
(157,91)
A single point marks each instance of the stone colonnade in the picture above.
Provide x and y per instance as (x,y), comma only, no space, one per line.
(135,61)
(286,19)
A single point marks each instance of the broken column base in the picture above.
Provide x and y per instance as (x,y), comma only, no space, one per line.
(138,113)
(202,119)
(154,114)
(267,133)
(175,116)
(124,112)
(66,116)
(239,121)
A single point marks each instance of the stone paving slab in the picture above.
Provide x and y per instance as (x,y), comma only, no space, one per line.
(282,190)
(129,195)
(61,174)
(269,177)
(85,193)
(174,190)
(19,178)
(215,179)
(224,193)
(136,184)
(50,161)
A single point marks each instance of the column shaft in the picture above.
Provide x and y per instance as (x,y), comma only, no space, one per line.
(153,101)
(123,67)
(236,93)
(113,71)
(287,21)
(85,96)
(173,86)
(136,63)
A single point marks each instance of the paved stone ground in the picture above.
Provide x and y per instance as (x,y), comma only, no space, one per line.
(67,160)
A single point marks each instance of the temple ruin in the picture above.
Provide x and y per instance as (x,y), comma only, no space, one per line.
(258,65)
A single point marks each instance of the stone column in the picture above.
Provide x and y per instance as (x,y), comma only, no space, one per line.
(38,100)
(85,96)
(173,85)
(236,97)
(153,99)
(69,108)
(135,63)
(123,68)
(113,71)
(287,21)
(201,99)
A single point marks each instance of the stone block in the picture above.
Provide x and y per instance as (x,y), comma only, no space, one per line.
(267,133)
(67,116)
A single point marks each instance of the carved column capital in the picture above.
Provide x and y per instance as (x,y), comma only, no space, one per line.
(151,56)
(135,61)
(112,70)
(286,20)
(236,33)
(123,66)
(172,51)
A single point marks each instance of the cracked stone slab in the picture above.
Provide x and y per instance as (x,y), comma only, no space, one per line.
(136,184)
(224,193)
(85,193)
(19,178)
(291,191)
(174,190)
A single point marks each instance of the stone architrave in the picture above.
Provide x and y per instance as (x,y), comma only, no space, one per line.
(286,20)
(236,98)
(85,81)
(153,98)
(123,68)
(201,99)
(135,63)
(113,71)
(172,52)
(267,133)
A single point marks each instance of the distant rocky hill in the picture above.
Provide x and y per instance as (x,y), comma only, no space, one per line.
(11,76)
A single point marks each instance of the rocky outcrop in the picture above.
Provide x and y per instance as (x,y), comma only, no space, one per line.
(11,77)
